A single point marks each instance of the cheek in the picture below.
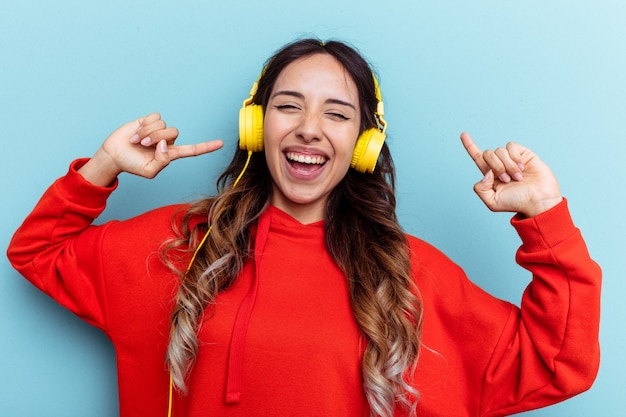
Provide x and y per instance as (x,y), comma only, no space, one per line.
(272,156)
(271,144)
(348,143)
(268,128)
(274,129)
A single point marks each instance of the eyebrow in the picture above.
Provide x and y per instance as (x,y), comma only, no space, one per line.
(301,96)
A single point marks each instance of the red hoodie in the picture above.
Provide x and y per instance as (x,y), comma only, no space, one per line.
(282,341)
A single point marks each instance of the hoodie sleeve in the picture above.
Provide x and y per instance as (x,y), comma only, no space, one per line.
(58,250)
(550,350)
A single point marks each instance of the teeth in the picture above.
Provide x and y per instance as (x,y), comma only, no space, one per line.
(305,159)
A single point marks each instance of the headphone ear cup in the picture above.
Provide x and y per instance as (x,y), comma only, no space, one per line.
(251,128)
(366,151)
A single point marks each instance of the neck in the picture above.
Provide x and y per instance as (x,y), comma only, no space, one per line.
(304,213)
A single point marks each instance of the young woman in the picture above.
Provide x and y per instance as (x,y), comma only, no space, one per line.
(294,291)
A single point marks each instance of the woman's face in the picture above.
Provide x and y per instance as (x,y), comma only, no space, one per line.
(311,125)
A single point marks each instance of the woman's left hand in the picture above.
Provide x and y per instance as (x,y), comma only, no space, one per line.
(515,179)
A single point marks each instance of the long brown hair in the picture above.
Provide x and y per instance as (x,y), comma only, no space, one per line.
(363,237)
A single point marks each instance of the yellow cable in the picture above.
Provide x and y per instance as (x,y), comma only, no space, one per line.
(244,169)
(169,400)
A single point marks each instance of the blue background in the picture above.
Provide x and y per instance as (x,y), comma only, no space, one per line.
(547,74)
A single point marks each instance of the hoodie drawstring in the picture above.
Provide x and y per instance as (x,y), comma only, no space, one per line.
(240,328)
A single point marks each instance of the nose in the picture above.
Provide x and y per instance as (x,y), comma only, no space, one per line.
(309,128)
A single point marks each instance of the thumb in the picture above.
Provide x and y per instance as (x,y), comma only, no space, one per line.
(484,189)
(161,160)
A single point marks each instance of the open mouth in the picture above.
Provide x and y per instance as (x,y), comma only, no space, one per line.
(305,162)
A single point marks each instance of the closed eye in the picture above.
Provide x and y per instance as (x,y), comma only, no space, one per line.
(338,116)
(286,107)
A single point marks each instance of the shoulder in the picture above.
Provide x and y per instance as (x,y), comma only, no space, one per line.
(440,280)
(159,223)
(427,258)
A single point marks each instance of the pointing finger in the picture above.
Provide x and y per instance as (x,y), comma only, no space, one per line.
(474,152)
(184,151)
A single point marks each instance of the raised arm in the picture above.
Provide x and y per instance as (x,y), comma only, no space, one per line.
(549,351)
(57,248)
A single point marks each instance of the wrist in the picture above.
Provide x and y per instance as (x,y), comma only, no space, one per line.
(100,170)
(541,206)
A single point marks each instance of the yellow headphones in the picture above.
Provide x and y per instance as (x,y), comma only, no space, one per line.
(366,150)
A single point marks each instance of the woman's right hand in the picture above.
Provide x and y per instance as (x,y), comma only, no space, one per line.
(142,147)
